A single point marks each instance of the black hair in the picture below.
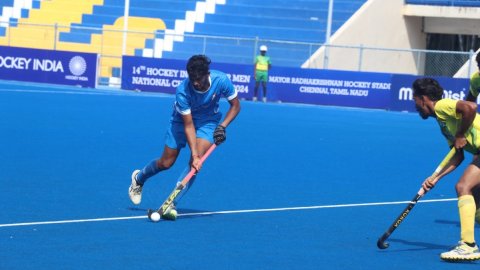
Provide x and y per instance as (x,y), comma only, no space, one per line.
(428,87)
(477,58)
(198,66)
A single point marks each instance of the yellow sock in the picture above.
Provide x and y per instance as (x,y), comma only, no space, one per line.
(467,209)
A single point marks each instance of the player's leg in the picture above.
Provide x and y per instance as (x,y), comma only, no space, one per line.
(204,141)
(168,158)
(466,248)
(255,89)
(175,140)
(139,177)
(476,196)
(171,213)
(264,85)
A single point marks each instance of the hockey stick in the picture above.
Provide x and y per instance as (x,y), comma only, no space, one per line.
(381,244)
(168,202)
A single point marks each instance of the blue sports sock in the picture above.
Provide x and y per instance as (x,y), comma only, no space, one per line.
(148,171)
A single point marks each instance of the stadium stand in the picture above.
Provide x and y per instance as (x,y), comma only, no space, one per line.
(12,10)
(162,28)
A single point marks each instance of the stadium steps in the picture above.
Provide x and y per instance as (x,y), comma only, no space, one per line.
(60,12)
(12,10)
(166,21)
(110,41)
(299,21)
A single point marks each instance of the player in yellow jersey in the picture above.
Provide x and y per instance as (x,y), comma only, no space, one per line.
(475,82)
(261,68)
(460,124)
(472,96)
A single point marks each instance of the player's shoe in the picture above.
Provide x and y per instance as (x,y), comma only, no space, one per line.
(461,252)
(264,99)
(171,213)
(254,99)
(135,190)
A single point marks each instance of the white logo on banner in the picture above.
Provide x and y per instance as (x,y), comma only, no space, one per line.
(77,65)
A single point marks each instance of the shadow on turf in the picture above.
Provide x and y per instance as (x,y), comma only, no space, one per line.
(448,222)
(420,245)
(452,222)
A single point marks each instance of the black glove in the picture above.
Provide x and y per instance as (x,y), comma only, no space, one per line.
(220,134)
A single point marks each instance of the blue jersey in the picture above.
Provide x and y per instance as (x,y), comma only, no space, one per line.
(203,106)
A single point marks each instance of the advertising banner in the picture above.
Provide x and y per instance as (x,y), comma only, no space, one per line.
(330,87)
(325,87)
(45,66)
(402,94)
(164,75)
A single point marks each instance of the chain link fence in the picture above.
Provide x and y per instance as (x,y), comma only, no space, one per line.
(108,42)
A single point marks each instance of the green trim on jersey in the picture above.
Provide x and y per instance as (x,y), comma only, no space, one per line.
(449,120)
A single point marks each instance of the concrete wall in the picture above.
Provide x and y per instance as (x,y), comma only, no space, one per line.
(449,20)
(377,24)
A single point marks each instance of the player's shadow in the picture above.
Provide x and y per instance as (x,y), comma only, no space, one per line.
(452,222)
(449,222)
(419,245)
(132,208)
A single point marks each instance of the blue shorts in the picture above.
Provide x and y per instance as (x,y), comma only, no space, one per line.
(175,137)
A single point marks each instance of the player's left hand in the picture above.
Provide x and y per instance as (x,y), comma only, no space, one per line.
(196,164)
(220,134)
(460,141)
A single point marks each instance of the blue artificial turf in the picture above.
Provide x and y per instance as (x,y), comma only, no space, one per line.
(67,154)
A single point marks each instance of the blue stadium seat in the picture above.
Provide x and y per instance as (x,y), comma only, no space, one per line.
(106,14)
(290,20)
(300,21)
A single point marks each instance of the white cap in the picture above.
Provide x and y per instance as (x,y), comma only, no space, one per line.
(263,48)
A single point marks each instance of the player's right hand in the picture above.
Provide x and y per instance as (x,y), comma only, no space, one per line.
(220,135)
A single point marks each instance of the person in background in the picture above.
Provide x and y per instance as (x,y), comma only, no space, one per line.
(261,68)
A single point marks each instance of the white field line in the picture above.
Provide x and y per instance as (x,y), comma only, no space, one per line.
(222,212)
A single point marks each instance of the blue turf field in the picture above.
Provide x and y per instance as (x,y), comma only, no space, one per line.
(294,187)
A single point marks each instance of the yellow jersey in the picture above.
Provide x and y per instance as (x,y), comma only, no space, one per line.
(449,121)
(262,63)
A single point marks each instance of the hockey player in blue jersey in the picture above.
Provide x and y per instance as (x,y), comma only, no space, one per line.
(195,121)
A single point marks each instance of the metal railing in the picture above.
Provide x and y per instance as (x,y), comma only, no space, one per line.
(108,44)
(391,60)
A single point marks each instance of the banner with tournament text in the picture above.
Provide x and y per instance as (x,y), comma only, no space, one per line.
(325,87)
(295,85)
(164,75)
(330,87)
